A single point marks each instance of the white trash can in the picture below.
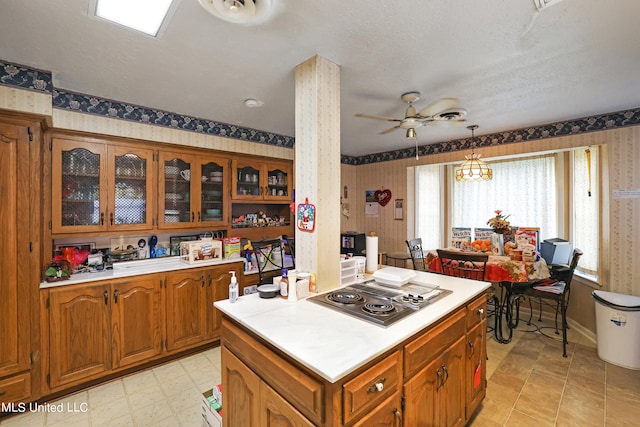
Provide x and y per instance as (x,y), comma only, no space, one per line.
(618,328)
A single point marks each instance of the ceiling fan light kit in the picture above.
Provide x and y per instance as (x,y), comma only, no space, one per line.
(439,112)
(239,11)
(473,169)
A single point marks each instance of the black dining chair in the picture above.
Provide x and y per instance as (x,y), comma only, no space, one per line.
(290,246)
(554,292)
(417,255)
(270,258)
(473,266)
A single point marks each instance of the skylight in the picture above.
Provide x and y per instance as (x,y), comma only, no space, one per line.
(141,15)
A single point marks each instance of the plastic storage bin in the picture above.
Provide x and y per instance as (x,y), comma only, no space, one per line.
(618,328)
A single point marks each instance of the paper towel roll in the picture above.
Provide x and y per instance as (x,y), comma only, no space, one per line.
(372,253)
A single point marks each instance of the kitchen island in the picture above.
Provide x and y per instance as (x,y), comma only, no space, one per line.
(305,364)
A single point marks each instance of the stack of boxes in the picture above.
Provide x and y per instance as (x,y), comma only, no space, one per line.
(212,407)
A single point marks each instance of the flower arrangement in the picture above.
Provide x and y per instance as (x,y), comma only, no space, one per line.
(500,224)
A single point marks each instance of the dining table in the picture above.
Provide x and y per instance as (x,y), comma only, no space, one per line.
(506,273)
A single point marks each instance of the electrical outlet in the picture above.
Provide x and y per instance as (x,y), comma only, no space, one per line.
(250,289)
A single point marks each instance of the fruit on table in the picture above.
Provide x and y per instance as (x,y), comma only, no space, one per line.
(481,245)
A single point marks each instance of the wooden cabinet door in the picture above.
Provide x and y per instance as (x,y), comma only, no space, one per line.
(435,396)
(278,177)
(275,411)
(178,189)
(16,280)
(186,297)
(452,397)
(242,392)
(130,178)
(79,334)
(136,320)
(247,179)
(78,181)
(218,280)
(387,414)
(213,191)
(476,367)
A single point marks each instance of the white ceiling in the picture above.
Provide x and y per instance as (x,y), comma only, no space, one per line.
(509,65)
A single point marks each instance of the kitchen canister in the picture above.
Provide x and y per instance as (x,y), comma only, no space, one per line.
(361,263)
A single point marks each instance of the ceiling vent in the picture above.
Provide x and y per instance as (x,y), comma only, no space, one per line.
(248,12)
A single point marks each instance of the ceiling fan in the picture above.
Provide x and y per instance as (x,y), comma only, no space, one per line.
(440,112)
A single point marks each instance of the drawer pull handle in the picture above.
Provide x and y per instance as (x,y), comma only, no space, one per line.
(377,387)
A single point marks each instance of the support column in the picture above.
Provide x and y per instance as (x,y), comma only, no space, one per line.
(317,163)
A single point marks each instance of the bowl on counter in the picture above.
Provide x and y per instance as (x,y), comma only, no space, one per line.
(268,291)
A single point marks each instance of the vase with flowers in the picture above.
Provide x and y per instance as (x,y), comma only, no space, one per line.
(500,224)
(503,233)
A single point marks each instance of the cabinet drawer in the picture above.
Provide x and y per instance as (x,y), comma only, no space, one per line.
(476,311)
(432,343)
(303,391)
(15,389)
(371,387)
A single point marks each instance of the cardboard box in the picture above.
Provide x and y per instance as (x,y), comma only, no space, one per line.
(210,417)
(200,251)
(231,247)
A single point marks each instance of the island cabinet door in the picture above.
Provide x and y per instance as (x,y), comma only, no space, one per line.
(476,367)
(186,299)
(275,411)
(387,414)
(136,320)
(80,333)
(435,396)
(241,392)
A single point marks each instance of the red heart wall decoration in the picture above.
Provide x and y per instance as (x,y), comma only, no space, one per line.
(382,196)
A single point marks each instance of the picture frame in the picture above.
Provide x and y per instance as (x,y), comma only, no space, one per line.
(398,209)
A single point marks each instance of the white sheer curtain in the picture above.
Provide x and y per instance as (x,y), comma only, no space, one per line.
(428,207)
(585,230)
(524,188)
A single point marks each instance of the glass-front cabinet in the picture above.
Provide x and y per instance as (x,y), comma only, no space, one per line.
(261,180)
(97,187)
(191,191)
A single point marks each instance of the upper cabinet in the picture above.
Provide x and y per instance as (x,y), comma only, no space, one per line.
(192,190)
(254,179)
(97,187)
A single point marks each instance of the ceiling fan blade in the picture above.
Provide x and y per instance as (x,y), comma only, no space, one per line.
(437,106)
(369,116)
(445,123)
(384,132)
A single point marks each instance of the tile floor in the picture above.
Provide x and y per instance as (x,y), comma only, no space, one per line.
(530,384)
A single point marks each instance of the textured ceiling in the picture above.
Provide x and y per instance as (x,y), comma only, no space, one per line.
(508,64)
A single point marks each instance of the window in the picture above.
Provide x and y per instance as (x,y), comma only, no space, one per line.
(532,190)
(585,201)
(428,206)
(523,188)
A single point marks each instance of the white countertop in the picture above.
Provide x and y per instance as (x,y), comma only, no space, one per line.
(331,343)
(135,268)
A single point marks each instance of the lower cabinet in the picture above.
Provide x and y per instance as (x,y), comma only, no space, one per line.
(435,378)
(254,403)
(98,329)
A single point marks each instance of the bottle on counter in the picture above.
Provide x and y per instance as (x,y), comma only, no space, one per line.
(233,288)
(284,283)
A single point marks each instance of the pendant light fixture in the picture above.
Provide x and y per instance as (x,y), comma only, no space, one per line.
(411,135)
(473,169)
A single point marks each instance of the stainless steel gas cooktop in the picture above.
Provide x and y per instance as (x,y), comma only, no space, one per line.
(378,303)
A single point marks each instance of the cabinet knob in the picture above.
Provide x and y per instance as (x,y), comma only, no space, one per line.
(377,387)
(480,312)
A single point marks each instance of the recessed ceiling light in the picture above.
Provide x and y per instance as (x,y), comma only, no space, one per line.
(146,16)
(248,12)
(253,103)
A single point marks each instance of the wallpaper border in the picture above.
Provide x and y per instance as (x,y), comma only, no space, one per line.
(41,81)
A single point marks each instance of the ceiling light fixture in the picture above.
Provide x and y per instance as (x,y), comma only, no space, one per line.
(473,169)
(147,16)
(253,103)
(239,11)
(411,134)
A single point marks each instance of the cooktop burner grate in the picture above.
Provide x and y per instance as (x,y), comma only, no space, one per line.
(344,297)
(378,309)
